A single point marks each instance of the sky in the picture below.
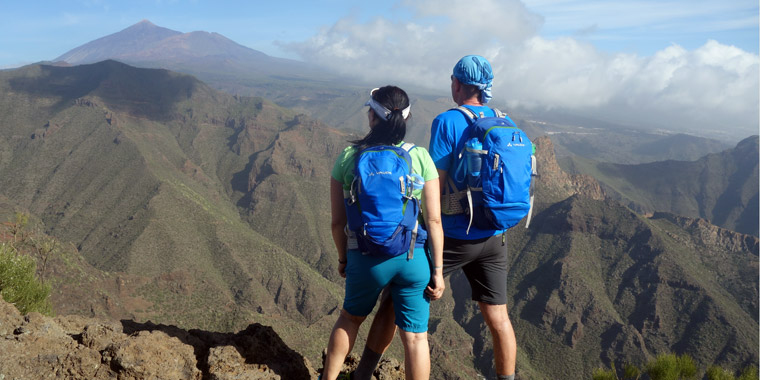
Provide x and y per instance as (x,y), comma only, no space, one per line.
(652,61)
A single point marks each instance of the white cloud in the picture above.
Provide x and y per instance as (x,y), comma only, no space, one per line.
(713,85)
(418,52)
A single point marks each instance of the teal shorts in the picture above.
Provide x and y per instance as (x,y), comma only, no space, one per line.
(367,276)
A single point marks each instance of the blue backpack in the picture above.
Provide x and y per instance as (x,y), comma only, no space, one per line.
(493,173)
(381,210)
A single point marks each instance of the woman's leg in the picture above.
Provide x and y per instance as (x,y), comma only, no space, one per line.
(341,342)
(416,355)
(412,310)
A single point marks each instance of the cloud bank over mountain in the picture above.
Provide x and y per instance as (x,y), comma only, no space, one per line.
(714,86)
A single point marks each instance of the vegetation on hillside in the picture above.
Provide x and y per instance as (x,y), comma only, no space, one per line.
(21,283)
(719,373)
(673,367)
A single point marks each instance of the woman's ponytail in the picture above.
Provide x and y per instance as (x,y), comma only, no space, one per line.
(392,130)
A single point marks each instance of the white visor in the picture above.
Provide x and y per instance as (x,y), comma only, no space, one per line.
(381,111)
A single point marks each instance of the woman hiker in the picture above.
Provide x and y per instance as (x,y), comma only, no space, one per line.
(414,277)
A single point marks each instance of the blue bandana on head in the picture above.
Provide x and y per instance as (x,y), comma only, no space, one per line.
(475,70)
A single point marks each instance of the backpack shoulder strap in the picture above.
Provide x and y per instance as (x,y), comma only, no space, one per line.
(467,112)
(473,116)
(407,146)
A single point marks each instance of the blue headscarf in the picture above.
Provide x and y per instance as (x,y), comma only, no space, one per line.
(475,70)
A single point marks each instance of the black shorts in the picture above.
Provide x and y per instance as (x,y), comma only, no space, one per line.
(484,262)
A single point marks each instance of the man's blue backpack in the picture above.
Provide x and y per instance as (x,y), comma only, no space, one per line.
(381,210)
(493,172)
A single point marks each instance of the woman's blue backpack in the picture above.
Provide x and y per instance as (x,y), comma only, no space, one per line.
(381,210)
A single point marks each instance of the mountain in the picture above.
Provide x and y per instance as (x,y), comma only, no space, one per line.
(146,43)
(140,169)
(129,42)
(212,57)
(720,187)
(339,101)
(230,67)
(191,207)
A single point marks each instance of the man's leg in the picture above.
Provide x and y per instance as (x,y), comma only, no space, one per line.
(504,343)
(379,338)
(383,327)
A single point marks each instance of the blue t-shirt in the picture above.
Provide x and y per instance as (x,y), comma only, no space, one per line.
(446,142)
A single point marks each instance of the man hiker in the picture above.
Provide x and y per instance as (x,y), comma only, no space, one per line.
(480,252)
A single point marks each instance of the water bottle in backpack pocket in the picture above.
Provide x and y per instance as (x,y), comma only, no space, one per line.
(473,158)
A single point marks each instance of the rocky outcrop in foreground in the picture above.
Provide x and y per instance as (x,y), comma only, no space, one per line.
(72,347)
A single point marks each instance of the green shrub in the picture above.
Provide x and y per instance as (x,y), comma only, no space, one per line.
(749,373)
(718,373)
(687,369)
(664,367)
(672,367)
(19,284)
(602,374)
(631,372)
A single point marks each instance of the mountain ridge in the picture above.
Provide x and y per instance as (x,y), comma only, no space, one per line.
(721,187)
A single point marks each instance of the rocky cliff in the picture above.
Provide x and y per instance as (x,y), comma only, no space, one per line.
(72,347)
(35,346)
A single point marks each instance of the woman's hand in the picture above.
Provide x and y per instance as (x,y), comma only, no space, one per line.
(431,196)
(437,286)
(338,223)
(342,269)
